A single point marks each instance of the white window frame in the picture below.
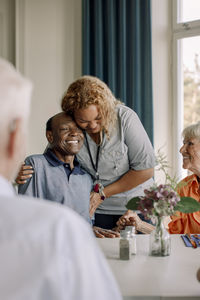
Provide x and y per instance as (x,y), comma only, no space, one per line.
(179,31)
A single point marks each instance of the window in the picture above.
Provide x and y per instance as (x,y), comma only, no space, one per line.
(186,71)
(188,10)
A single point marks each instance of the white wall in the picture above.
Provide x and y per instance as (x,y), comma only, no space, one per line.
(48,51)
(7,29)
(162,79)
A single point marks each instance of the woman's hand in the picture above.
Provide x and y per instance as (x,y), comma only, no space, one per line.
(24,173)
(130,218)
(102,233)
(95,201)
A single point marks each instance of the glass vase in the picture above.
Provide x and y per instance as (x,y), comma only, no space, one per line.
(160,240)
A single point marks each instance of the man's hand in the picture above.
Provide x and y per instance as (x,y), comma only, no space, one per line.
(24,173)
(102,233)
(95,201)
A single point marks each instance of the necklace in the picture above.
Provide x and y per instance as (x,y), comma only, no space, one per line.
(94,165)
(98,186)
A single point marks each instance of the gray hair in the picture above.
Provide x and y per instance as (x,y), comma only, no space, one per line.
(192,131)
(15,95)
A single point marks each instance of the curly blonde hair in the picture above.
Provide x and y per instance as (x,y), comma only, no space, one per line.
(88,90)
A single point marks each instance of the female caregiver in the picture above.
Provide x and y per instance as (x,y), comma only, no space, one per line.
(117,152)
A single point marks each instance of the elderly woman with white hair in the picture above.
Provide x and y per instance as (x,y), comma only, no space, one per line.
(189,223)
(181,223)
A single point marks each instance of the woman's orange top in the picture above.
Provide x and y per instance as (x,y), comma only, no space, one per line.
(187,223)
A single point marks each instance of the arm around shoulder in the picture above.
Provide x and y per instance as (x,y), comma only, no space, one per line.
(24,173)
(29,186)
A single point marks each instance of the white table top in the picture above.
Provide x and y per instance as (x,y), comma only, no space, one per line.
(147,277)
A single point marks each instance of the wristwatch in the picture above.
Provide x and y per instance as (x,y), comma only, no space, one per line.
(98,188)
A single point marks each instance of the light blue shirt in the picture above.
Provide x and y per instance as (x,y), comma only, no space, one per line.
(50,181)
(49,252)
(128,148)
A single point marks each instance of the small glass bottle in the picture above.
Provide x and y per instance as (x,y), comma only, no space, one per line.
(160,239)
(125,245)
(132,231)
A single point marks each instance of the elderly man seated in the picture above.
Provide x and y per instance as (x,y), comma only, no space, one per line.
(58,175)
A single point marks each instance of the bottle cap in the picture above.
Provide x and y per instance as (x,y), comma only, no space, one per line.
(124,233)
(130,228)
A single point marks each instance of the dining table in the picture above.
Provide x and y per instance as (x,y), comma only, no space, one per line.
(152,277)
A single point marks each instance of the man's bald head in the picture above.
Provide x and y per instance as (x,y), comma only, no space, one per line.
(53,119)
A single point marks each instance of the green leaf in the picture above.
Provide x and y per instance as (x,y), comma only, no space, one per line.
(133,203)
(187,205)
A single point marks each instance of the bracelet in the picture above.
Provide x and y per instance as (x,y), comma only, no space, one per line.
(98,188)
(102,194)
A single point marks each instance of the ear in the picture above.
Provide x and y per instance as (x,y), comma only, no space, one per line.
(13,138)
(49,136)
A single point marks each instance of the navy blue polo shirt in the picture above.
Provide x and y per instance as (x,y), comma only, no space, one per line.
(54,161)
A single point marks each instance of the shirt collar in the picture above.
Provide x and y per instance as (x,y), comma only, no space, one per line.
(6,188)
(55,162)
(193,178)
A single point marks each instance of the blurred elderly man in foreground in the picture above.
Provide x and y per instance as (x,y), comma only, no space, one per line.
(47,252)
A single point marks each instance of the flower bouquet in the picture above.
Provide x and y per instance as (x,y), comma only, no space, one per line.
(160,201)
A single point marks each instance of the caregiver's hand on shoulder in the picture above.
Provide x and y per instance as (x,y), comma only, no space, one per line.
(24,173)
(95,201)
(102,233)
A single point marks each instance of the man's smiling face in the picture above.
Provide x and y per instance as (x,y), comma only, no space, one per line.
(66,138)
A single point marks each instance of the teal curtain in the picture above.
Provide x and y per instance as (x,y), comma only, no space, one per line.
(117,49)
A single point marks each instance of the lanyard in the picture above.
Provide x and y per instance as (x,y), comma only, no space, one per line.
(95,166)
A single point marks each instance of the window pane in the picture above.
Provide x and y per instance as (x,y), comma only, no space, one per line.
(191,76)
(189,10)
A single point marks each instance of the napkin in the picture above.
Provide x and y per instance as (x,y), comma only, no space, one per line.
(187,243)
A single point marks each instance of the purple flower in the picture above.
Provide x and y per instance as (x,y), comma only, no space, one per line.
(158,200)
